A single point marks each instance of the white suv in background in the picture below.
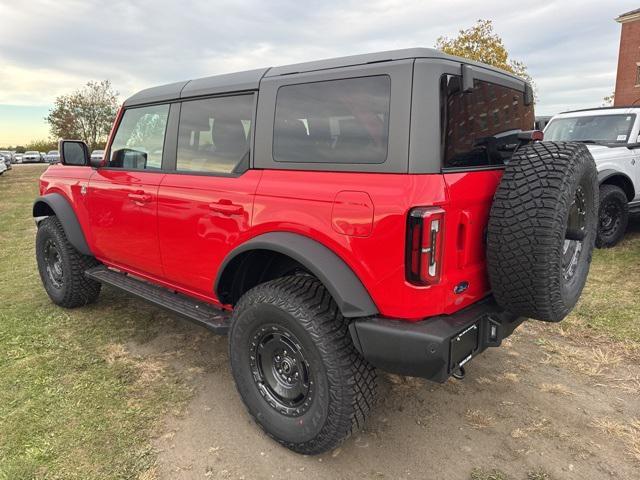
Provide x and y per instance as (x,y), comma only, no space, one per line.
(613,138)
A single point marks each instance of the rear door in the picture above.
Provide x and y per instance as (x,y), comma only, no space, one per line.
(205,204)
(123,195)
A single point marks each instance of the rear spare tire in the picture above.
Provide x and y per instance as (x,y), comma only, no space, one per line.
(542,229)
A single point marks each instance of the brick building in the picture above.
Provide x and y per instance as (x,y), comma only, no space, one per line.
(628,77)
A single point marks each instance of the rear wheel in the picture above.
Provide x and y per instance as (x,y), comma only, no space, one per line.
(295,365)
(613,216)
(62,267)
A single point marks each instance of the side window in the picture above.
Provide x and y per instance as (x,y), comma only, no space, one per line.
(338,121)
(140,138)
(214,135)
(479,128)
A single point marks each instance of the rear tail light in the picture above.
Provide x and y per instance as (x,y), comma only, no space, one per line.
(425,234)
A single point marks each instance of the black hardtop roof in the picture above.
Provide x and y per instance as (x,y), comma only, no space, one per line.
(250,79)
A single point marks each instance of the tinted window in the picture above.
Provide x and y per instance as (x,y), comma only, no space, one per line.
(339,121)
(596,128)
(480,127)
(140,138)
(214,135)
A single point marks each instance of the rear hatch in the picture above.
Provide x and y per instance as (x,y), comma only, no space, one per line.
(480,129)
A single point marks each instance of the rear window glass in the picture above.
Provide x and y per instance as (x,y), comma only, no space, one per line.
(480,127)
(214,135)
(338,121)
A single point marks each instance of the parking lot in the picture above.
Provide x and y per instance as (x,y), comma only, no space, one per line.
(121,386)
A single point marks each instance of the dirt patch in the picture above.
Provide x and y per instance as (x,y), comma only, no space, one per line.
(546,405)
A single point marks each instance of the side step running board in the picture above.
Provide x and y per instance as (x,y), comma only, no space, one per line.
(202,313)
(634,207)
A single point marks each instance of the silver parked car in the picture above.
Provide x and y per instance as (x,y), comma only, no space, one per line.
(17,158)
(7,157)
(31,157)
(52,157)
(97,155)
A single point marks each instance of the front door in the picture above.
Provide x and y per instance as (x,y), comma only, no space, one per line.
(206,206)
(123,195)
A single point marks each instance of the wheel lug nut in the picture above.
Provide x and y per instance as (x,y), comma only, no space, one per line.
(279,370)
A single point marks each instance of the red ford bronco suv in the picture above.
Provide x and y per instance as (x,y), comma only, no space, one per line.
(391,210)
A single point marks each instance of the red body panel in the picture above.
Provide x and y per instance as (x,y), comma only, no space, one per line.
(200,219)
(123,218)
(182,228)
(68,182)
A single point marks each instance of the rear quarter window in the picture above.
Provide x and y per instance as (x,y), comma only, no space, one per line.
(338,121)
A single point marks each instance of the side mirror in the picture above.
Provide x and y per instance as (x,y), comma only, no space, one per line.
(73,152)
(632,146)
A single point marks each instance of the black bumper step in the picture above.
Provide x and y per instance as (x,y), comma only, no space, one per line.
(202,313)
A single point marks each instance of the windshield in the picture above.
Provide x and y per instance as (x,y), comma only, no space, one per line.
(32,153)
(596,128)
(53,152)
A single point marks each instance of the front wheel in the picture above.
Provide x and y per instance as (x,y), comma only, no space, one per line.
(62,267)
(295,365)
(613,216)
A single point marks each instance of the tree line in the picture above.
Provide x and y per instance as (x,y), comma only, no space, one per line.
(86,114)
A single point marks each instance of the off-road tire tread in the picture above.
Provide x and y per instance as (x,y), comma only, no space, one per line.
(353,391)
(527,224)
(79,290)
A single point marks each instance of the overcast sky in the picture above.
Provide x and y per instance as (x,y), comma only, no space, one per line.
(52,47)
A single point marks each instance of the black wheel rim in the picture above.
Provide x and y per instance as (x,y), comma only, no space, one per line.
(575,234)
(280,370)
(53,263)
(610,213)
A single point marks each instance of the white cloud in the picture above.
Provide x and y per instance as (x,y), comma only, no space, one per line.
(52,47)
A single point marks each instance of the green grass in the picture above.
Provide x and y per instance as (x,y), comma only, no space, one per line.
(610,303)
(481,474)
(68,408)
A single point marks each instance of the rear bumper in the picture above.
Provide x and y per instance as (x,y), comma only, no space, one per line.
(435,347)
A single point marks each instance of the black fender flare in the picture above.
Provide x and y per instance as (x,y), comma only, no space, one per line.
(609,172)
(343,284)
(61,208)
